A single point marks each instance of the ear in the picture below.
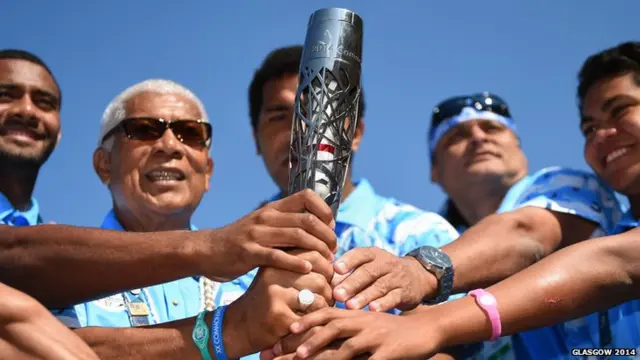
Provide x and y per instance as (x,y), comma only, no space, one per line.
(435,175)
(102,164)
(357,136)
(210,166)
(255,140)
(58,138)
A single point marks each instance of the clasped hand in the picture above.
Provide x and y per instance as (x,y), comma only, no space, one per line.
(363,277)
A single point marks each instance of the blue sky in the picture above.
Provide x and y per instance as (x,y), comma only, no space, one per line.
(415,54)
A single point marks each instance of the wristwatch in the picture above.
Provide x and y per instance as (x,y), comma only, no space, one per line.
(439,264)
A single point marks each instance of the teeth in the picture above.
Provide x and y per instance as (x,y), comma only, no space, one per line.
(160,175)
(616,154)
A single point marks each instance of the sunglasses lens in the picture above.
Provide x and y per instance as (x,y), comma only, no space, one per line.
(191,132)
(492,103)
(447,109)
(144,128)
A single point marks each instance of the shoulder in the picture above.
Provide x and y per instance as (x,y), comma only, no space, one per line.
(564,178)
(406,220)
(572,191)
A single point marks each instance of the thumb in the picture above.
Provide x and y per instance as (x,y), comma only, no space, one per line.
(267,354)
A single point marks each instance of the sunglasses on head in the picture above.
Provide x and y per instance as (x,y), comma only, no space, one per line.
(189,132)
(483,101)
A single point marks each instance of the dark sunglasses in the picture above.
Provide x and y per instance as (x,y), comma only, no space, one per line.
(482,101)
(188,132)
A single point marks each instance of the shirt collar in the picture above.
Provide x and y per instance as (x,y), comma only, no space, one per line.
(32,215)
(357,209)
(627,222)
(111,222)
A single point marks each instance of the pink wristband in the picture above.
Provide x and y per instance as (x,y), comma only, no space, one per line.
(489,305)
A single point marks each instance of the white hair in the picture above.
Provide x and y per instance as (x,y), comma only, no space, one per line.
(115,111)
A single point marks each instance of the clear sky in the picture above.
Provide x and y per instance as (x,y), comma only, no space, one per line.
(415,54)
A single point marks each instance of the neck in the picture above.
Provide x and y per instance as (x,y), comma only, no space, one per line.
(481,199)
(151,222)
(634,202)
(17,182)
(348,186)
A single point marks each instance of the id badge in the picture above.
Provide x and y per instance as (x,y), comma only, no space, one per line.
(139,313)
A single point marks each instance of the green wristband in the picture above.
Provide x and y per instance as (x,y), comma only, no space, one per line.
(200,336)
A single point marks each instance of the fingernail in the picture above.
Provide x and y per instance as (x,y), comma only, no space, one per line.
(295,327)
(341,294)
(277,349)
(308,266)
(340,266)
(353,304)
(302,351)
(374,306)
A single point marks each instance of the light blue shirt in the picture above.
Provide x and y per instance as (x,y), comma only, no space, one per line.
(174,300)
(11,216)
(566,191)
(624,319)
(366,219)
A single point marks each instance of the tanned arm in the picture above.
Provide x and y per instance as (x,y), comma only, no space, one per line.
(504,244)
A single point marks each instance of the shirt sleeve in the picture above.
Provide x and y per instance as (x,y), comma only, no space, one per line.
(417,228)
(574,192)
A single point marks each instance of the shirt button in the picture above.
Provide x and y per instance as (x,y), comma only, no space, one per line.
(175,302)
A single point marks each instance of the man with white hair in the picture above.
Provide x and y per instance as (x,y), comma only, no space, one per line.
(153,155)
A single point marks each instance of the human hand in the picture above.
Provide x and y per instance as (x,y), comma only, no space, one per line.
(333,333)
(260,239)
(375,277)
(271,303)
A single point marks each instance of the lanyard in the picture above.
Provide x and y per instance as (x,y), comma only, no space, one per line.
(138,309)
(139,304)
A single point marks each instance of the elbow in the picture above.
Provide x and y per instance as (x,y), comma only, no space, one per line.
(522,237)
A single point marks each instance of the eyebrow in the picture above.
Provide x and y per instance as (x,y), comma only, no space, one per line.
(37,90)
(277,107)
(612,100)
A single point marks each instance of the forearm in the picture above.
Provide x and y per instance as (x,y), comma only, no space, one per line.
(500,246)
(28,331)
(591,276)
(59,265)
(166,341)
(172,341)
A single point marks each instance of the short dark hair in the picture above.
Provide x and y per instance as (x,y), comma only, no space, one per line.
(278,63)
(17,54)
(619,60)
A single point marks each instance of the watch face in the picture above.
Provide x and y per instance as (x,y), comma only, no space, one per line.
(199,334)
(437,257)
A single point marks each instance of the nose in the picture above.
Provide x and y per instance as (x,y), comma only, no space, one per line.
(477,135)
(602,135)
(169,144)
(24,110)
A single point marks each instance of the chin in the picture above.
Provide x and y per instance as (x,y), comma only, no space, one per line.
(486,168)
(170,204)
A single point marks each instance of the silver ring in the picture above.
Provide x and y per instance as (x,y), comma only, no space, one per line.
(306,298)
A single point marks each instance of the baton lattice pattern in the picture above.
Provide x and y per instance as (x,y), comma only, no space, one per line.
(326,112)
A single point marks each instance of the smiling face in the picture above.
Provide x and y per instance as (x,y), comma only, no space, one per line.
(29,112)
(160,176)
(611,125)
